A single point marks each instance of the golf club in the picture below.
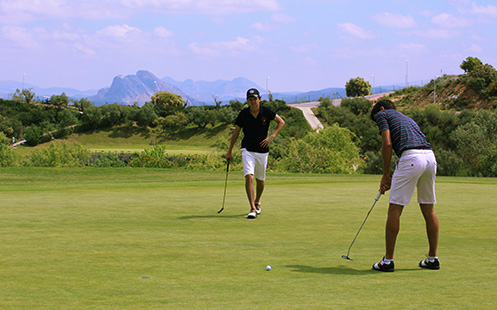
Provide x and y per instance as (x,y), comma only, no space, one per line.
(225,185)
(348,252)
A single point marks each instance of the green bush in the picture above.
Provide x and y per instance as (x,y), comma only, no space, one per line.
(59,155)
(449,164)
(332,150)
(153,157)
(373,163)
(7,156)
(358,106)
(109,160)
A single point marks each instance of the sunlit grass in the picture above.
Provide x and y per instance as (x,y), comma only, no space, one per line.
(133,238)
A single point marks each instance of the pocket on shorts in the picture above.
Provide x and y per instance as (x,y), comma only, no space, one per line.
(406,163)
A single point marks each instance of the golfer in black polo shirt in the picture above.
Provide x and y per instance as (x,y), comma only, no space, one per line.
(255,146)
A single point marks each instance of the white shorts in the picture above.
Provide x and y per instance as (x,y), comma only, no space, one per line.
(254,163)
(415,168)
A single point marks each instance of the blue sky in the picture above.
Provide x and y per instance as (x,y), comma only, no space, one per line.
(287,45)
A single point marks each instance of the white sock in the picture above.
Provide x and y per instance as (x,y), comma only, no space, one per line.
(387,261)
(431,259)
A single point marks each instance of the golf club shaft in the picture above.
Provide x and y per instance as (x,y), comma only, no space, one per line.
(367,215)
(225,185)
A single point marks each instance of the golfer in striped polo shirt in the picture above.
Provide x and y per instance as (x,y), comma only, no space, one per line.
(416,167)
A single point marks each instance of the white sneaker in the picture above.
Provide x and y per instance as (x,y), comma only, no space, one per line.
(258,210)
(252,215)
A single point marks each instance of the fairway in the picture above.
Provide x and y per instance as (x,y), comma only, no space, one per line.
(129,238)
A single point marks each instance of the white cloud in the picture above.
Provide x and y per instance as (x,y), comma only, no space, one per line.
(262,26)
(24,11)
(278,18)
(436,33)
(163,32)
(204,6)
(86,50)
(117,31)
(20,11)
(356,31)
(226,47)
(489,10)
(446,20)
(22,37)
(474,48)
(395,20)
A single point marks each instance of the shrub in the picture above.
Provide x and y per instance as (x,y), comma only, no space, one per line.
(449,163)
(7,156)
(109,160)
(60,155)
(153,157)
(332,150)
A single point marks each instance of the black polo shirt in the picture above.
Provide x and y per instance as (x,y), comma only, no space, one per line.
(255,129)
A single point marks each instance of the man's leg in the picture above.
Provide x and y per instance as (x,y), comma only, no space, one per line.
(260,190)
(431,220)
(249,188)
(392,228)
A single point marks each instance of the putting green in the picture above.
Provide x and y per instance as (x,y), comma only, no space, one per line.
(128,238)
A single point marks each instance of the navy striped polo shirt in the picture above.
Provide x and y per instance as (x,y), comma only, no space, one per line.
(404,132)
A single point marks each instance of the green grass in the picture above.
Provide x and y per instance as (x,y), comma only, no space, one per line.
(192,140)
(122,139)
(86,238)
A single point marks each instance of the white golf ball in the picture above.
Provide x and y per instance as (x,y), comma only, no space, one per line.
(268,267)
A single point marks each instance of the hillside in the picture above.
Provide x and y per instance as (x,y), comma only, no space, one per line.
(450,92)
(192,140)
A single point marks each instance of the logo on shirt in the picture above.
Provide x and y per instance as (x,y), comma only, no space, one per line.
(264,121)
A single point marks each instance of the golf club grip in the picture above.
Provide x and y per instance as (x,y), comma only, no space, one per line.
(378,196)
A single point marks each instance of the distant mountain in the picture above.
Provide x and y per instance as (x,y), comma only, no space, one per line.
(222,90)
(333,93)
(142,86)
(137,88)
(7,88)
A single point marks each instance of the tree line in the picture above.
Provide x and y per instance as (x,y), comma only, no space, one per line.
(464,140)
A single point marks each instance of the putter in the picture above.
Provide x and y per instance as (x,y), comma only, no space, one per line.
(225,185)
(348,252)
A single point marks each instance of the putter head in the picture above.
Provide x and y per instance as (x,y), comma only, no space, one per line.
(346,257)
(220,210)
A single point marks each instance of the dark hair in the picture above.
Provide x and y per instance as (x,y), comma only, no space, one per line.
(387,104)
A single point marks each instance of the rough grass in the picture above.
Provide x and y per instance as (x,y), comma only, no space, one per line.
(152,239)
(122,139)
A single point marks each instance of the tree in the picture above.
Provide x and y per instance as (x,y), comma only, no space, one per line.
(481,77)
(60,101)
(358,106)
(217,102)
(91,116)
(25,95)
(146,115)
(173,122)
(470,64)
(476,144)
(198,116)
(357,87)
(236,105)
(227,115)
(166,103)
